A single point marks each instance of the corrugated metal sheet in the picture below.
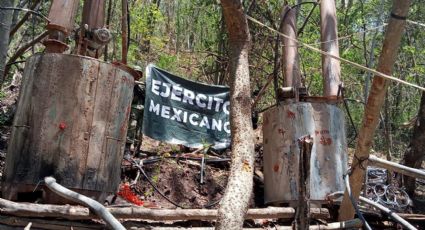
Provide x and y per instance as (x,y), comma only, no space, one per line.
(282,127)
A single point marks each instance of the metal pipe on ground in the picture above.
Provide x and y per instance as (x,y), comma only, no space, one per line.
(99,209)
(408,171)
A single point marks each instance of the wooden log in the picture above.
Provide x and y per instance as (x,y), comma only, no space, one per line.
(350,224)
(210,214)
(81,213)
(392,166)
(374,104)
(42,210)
(48,224)
(14,223)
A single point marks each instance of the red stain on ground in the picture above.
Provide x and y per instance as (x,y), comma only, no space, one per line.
(126,193)
(276,168)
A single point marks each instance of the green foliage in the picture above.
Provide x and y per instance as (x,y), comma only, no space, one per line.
(188,37)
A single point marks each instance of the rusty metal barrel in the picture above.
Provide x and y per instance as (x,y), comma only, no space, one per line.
(71,123)
(283,126)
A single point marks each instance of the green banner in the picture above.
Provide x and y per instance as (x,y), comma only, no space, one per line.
(180,111)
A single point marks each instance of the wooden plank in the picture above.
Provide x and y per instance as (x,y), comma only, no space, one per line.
(116,131)
(60,120)
(21,130)
(82,113)
(374,104)
(97,140)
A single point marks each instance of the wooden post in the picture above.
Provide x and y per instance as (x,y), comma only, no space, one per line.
(329,35)
(290,59)
(303,209)
(375,103)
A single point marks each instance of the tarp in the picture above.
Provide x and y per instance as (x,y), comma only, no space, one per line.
(180,111)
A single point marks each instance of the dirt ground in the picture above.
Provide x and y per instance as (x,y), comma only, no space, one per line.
(176,172)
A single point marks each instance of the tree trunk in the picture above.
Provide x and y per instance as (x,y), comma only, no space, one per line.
(124,38)
(239,188)
(374,104)
(5,22)
(414,155)
(329,34)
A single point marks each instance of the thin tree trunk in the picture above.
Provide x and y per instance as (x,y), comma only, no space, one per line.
(374,104)
(108,22)
(124,31)
(5,22)
(239,188)
(414,155)
(24,19)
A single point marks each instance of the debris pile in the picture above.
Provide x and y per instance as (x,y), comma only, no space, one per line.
(388,194)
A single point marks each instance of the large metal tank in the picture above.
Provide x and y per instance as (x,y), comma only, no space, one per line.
(282,127)
(71,124)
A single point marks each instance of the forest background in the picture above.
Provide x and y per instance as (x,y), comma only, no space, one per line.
(188,38)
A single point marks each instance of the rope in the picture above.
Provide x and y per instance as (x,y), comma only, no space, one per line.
(377,73)
(415,23)
(350,35)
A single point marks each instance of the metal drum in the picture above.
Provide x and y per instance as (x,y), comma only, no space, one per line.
(282,127)
(71,124)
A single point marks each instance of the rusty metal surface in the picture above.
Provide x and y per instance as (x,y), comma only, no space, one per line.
(282,127)
(62,15)
(71,123)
